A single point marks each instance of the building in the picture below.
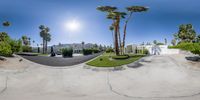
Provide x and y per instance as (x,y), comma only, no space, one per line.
(77,47)
(152,49)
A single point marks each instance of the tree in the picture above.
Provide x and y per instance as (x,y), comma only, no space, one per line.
(155,42)
(186,33)
(6,24)
(4,36)
(165,41)
(111,15)
(111,28)
(116,17)
(82,43)
(173,42)
(46,36)
(131,10)
(198,38)
(33,42)
(25,40)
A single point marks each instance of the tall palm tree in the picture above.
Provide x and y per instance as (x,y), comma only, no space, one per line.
(131,10)
(111,15)
(46,37)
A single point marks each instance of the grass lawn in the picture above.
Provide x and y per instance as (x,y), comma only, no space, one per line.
(105,60)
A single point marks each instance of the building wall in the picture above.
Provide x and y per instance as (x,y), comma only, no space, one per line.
(153,49)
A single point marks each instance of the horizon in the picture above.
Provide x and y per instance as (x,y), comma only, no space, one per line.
(160,22)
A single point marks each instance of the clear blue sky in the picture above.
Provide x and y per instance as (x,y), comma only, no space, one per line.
(161,21)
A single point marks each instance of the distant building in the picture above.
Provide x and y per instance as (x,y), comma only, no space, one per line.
(152,49)
(77,47)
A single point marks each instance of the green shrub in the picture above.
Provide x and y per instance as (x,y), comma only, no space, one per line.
(16,45)
(192,47)
(160,43)
(87,51)
(67,52)
(121,57)
(109,50)
(5,49)
(26,49)
(145,51)
(95,50)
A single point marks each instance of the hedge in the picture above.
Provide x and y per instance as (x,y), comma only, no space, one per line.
(192,47)
(90,51)
(67,52)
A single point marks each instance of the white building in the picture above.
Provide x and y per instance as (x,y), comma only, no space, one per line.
(153,49)
(77,47)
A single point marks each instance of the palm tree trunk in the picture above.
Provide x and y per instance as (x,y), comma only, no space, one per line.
(125,28)
(116,39)
(43,46)
(46,47)
(118,31)
(113,39)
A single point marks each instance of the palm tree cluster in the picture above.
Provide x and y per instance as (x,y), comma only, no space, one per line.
(26,40)
(116,17)
(186,33)
(46,36)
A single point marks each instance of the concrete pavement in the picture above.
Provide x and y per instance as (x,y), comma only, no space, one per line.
(167,77)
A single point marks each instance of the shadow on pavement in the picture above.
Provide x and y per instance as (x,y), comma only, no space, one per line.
(193,58)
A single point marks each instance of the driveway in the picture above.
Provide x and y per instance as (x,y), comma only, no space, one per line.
(168,77)
(60,61)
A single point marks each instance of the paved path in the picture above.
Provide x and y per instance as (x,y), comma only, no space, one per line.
(60,61)
(168,77)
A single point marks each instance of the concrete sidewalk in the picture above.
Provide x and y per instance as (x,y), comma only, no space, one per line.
(167,77)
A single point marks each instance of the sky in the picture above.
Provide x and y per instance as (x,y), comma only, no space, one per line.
(160,22)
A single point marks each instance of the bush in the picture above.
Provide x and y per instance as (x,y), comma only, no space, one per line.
(145,51)
(87,51)
(5,49)
(192,47)
(16,45)
(109,50)
(67,52)
(95,50)
(160,44)
(121,57)
(26,49)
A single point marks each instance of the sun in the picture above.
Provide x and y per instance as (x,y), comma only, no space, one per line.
(73,25)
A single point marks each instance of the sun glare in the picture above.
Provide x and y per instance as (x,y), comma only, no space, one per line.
(73,25)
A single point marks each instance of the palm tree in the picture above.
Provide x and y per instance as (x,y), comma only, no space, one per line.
(112,15)
(29,41)
(165,41)
(25,40)
(82,43)
(46,36)
(33,42)
(111,28)
(131,10)
(6,24)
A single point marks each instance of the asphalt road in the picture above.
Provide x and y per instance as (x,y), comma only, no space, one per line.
(59,61)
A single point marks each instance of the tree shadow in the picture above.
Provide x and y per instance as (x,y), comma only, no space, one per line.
(193,58)
(138,63)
